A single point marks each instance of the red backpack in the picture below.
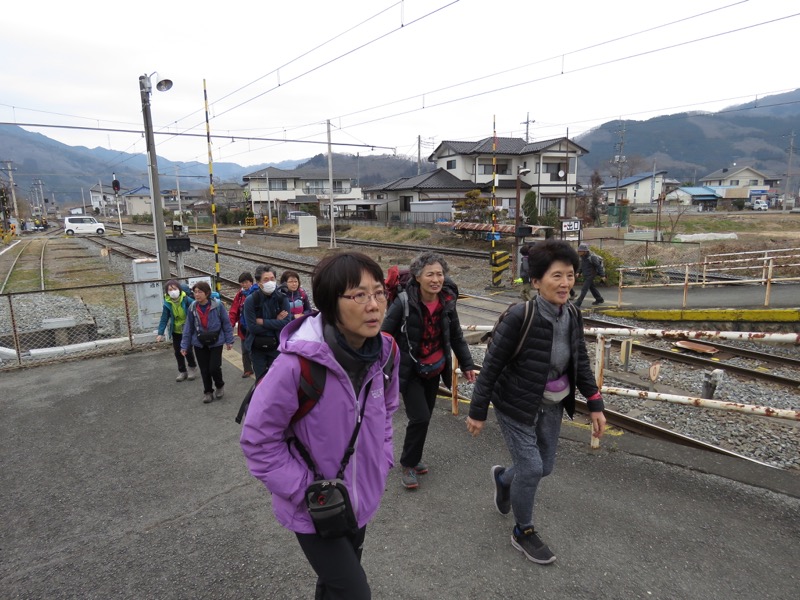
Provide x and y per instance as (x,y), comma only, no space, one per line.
(396,281)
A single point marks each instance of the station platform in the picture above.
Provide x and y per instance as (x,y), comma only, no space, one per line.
(117,482)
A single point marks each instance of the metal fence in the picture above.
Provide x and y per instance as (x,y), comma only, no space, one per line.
(636,253)
(38,327)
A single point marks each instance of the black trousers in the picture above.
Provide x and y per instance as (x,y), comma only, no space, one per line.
(262,361)
(589,286)
(176,346)
(337,564)
(209,359)
(419,400)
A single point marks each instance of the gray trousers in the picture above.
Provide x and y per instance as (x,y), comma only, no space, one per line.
(533,456)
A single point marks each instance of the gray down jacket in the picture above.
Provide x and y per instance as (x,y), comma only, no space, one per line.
(515,388)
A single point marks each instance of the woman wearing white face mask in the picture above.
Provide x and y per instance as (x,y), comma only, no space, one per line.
(268,312)
(173,318)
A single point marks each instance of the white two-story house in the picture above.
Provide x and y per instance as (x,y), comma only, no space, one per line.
(285,190)
(744,183)
(640,189)
(492,165)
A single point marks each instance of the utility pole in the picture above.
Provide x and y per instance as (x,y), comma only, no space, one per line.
(330,183)
(619,158)
(41,197)
(527,122)
(419,154)
(13,193)
(178,186)
(786,188)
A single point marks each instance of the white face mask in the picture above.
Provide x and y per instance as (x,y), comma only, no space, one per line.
(174,294)
(269,287)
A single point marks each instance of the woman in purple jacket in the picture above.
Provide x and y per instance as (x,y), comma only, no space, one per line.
(345,337)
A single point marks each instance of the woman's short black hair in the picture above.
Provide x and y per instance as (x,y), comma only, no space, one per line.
(334,274)
(203,287)
(246,276)
(542,256)
(287,275)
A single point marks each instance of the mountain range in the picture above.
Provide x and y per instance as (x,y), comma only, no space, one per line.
(691,145)
(687,145)
(66,170)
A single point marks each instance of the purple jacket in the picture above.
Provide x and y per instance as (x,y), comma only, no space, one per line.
(324,431)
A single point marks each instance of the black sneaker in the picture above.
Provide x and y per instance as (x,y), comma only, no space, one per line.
(596,302)
(502,493)
(532,547)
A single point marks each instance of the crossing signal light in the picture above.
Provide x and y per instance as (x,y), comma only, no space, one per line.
(115,185)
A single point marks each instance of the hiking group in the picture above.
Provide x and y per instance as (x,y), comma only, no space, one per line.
(325,451)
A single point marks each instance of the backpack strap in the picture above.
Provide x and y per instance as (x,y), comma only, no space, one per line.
(312,383)
(527,321)
(403,297)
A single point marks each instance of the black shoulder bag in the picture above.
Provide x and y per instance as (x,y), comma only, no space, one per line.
(328,500)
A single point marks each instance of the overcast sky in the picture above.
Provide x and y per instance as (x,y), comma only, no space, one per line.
(383,71)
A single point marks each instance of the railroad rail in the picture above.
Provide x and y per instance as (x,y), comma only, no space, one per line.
(460,252)
(709,363)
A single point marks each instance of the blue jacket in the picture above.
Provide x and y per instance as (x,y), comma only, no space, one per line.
(168,313)
(217,318)
(325,431)
(270,307)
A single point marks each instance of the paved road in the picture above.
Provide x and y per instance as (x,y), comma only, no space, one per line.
(117,482)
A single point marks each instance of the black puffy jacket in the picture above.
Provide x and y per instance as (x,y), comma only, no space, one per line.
(516,387)
(452,336)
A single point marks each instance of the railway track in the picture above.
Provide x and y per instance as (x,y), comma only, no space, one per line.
(229,287)
(342,241)
(722,361)
(26,260)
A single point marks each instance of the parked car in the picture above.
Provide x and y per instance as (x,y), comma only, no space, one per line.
(643,210)
(293,214)
(84,224)
(759,205)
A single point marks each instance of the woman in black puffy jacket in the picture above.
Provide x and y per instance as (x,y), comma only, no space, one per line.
(531,385)
(424,321)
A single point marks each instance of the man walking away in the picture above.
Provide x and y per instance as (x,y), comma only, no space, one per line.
(591,267)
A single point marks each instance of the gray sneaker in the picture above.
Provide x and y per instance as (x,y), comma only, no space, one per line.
(502,493)
(409,478)
(220,392)
(192,374)
(208,398)
(532,547)
(182,375)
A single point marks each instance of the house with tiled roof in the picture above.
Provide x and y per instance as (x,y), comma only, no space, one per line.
(490,165)
(287,189)
(742,184)
(704,198)
(640,189)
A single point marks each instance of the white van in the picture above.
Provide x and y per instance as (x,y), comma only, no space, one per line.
(759,205)
(83,224)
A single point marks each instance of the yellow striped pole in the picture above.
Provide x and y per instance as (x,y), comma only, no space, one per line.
(217,285)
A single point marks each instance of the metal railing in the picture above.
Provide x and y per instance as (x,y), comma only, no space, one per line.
(763,268)
(43,326)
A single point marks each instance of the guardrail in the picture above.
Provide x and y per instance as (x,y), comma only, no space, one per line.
(763,268)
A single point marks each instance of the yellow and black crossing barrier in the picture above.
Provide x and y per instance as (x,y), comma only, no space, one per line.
(500,261)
